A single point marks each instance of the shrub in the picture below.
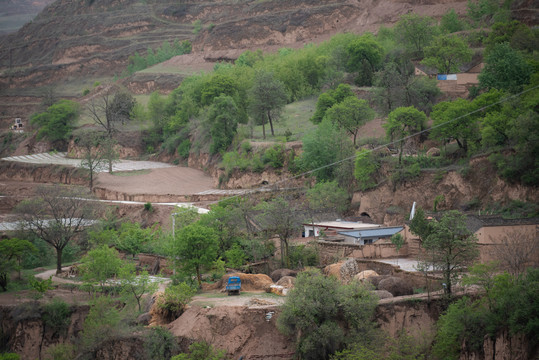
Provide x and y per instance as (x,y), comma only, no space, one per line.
(197,26)
(303,255)
(246,147)
(184,148)
(40,286)
(315,308)
(235,257)
(10,356)
(275,156)
(160,344)
(201,351)
(175,298)
(85,92)
(57,315)
(102,323)
(61,352)
(148,207)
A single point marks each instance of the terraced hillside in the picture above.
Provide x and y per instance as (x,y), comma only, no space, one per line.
(95,37)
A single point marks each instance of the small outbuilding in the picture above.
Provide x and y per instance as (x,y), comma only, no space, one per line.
(369,236)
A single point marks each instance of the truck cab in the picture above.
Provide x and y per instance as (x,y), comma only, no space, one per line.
(233,285)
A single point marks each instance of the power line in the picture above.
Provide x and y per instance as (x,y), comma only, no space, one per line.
(262,188)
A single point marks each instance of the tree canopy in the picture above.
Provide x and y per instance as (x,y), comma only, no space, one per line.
(196,247)
(505,69)
(351,114)
(58,121)
(268,97)
(447,53)
(451,244)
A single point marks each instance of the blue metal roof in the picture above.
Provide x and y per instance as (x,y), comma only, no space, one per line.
(372,233)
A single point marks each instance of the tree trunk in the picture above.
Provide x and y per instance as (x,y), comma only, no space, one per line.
(282,252)
(91,177)
(110,166)
(264,131)
(271,123)
(3,281)
(59,260)
(199,278)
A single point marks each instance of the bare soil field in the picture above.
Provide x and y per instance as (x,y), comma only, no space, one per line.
(174,181)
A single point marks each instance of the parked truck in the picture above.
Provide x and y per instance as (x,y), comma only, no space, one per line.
(233,285)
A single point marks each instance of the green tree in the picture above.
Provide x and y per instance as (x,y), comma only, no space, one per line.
(403,122)
(217,85)
(366,166)
(452,120)
(157,112)
(135,285)
(100,265)
(447,53)
(132,238)
(351,114)
(415,32)
(328,196)
(315,308)
(364,56)
(102,323)
(462,324)
(328,99)
(223,119)
(450,22)
(221,220)
(505,69)
(235,257)
(398,241)
(523,165)
(196,247)
(451,244)
(12,252)
(267,99)
(57,122)
(324,146)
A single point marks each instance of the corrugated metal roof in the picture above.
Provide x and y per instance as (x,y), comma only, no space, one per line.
(373,233)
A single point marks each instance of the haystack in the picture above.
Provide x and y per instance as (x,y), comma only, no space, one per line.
(396,286)
(249,282)
(279,273)
(364,275)
(287,282)
(334,270)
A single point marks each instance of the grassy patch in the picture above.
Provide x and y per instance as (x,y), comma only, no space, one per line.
(295,118)
(132,173)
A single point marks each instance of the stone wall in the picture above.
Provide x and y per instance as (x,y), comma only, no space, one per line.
(330,252)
